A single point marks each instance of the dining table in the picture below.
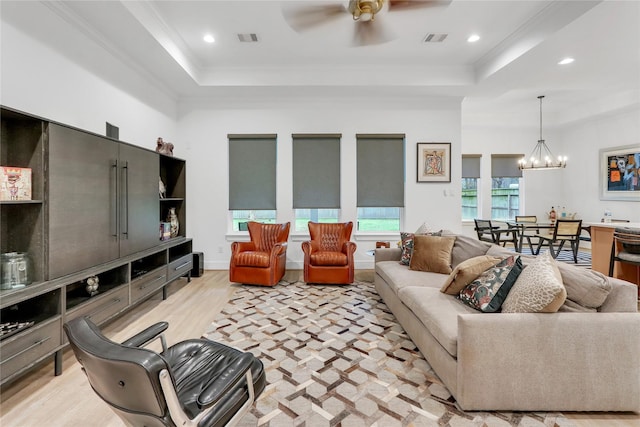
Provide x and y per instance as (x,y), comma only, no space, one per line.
(524,227)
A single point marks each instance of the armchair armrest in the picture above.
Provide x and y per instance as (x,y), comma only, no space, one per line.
(144,337)
(225,382)
(242,247)
(279,248)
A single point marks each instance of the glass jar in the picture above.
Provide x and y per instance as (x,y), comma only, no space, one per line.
(15,270)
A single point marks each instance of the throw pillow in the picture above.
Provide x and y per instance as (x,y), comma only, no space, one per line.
(406,244)
(467,271)
(423,229)
(538,289)
(489,290)
(432,253)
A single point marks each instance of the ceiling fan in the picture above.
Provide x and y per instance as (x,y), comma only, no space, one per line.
(365,14)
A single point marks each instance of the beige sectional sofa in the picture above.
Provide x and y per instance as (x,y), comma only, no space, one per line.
(585,357)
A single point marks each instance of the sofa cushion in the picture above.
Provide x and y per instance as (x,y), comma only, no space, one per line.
(432,253)
(586,287)
(467,271)
(438,312)
(538,289)
(467,247)
(489,290)
(399,276)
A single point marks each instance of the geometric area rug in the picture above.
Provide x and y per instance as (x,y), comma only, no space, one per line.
(336,356)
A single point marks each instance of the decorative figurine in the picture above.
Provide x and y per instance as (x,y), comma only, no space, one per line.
(164,147)
(92,285)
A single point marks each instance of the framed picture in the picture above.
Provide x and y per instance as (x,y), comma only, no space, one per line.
(620,173)
(434,162)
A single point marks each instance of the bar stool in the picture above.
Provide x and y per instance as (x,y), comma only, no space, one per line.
(625,248)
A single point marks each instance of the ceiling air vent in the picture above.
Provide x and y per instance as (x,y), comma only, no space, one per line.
(435,38)
(248,37)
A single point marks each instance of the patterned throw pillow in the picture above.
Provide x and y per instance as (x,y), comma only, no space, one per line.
(406,243)
(539,288)
(489,290)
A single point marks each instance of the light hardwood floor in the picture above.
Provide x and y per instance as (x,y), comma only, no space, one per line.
(41,399)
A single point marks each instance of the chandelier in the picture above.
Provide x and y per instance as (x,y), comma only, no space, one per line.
(365,10)
(541,157)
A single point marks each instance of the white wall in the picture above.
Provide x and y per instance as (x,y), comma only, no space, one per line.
(584,141)
(204,126)
(41,81)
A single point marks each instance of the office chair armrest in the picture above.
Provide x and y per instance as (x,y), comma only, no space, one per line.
(226,381)
(145,337)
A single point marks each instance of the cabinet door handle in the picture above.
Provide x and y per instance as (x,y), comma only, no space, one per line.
(34,345)
(116,201)
(125,198)
(182,265)
(103,308)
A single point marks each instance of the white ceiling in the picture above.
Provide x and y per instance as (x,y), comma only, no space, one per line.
(514,61)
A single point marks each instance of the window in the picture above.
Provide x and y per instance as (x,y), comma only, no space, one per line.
(380,179)
(252,179)
(505,186)
(316,178)
(470,184)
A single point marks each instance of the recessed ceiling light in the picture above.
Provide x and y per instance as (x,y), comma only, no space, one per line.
(473,38)
(566,61)
(209,38)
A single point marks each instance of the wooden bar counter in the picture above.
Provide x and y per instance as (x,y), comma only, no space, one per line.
(601,240)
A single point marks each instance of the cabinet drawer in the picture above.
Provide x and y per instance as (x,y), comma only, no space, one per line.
(102,307)
(30,346)
(149,283)
(180,267)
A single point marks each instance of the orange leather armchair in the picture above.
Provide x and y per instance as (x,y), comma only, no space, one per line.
(328,257)
(263,260)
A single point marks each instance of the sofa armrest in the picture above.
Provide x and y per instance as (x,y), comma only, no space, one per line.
(551,361)
(387,254)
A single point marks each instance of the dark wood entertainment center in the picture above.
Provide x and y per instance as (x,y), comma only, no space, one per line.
(95,211)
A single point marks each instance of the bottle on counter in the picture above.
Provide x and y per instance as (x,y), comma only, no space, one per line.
(564,213)
(552,215)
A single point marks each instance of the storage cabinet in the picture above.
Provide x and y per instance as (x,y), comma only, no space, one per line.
(95,211)
(103,199)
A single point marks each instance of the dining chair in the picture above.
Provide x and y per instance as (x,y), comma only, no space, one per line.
(528,232)
(625,248)
(565,230)
(488,232)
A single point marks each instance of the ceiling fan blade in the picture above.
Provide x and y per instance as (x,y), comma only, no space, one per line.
(398,5)
(302,18)
(368,33)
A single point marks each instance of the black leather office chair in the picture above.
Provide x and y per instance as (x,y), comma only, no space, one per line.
(196,382)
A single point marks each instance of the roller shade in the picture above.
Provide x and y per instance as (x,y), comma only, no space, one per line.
(471,166)
(505,166)
(252,172)
(316,171)
(380,170)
